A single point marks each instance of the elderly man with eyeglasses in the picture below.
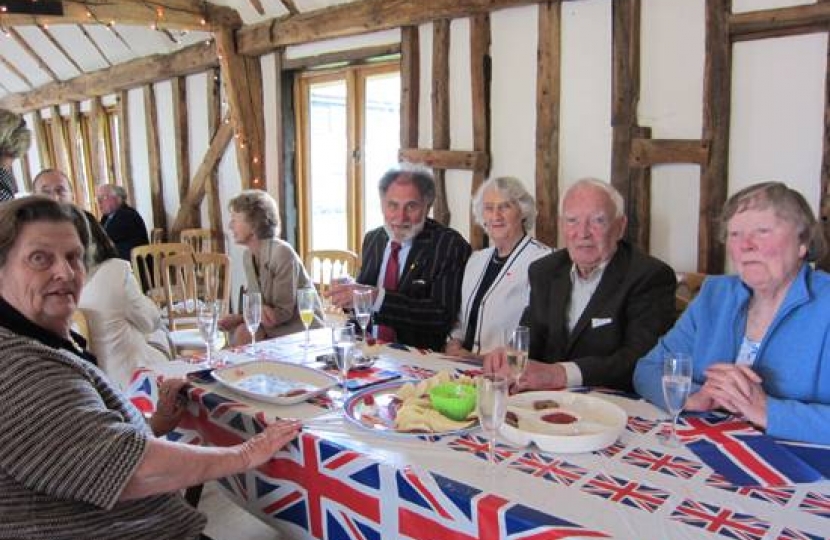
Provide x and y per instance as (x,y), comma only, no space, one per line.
(596,306)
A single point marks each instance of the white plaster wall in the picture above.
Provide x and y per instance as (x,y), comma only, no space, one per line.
(139,156)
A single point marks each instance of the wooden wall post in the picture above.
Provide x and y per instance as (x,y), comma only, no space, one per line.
(154,158)
(480,73)
(214,205)
(824,204)
(441,111)
(547,120)
(410,85)
(125,155)
(181,134)
(97,151)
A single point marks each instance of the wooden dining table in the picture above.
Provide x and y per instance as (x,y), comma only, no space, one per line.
(343,480)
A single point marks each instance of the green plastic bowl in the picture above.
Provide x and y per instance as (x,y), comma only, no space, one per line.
(453,400)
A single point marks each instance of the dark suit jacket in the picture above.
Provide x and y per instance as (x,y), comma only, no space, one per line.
(631,308)
(424,308)
(126,229)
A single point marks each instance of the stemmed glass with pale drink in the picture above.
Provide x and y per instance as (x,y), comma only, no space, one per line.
(491,404)
(306,300)
(252,314)
(344,342)
(362,302)
(516,346)
(677,382)
(207,319)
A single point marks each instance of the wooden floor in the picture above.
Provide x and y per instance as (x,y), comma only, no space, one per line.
(226,521)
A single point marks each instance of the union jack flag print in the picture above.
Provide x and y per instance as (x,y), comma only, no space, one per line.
(640,425)
(794,534)
(652,460)
(720,520)
(550,468)
(478,446)
(633,494)
(742,454)
(817,504)
(143,391)
(779,495)
(611,451)
(435,507)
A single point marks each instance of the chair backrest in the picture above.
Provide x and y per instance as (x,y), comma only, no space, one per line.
(80,325)
(146,262)
(201,240)
(157,236)
(688,285)
(190,279)
(323,266)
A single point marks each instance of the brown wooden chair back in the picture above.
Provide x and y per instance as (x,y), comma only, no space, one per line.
(323,266)
(190,279)
(201,240)
(688,285)
(147,261)
(157,236)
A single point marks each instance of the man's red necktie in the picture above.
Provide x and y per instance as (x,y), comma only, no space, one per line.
(390,283)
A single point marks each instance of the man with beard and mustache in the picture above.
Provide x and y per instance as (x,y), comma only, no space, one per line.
(596,306)
(413,265)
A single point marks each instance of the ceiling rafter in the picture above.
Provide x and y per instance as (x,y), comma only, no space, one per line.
(170,14)
(11,67)
(257,4)
(32,53)
(95,44)
(62,49)
(290,6)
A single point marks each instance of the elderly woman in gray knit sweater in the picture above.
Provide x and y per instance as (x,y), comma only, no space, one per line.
(78,460)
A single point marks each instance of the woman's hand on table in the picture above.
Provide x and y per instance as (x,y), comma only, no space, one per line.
(737,388)
(342,294)
(269,316)
(262,447)
(454,348)
(169,408)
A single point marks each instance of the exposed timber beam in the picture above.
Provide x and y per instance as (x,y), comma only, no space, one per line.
(290,6)
(359,18)
(446,159)
(149,69)
(786,21)
(171,14)
(648,152)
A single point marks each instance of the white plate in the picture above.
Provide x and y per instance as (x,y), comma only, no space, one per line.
(599,422)
(275,382)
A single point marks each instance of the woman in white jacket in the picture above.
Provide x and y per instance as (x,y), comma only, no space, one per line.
(125,330)
(495,288)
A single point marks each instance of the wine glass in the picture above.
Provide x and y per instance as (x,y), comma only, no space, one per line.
(677,382)
(252,313)
(491,404)
(208,318)
(362,302)
(516,345)
(344,341)
(306,299)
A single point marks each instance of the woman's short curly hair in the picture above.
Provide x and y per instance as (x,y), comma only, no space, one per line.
(514,190)
(15,137)
(260,210)
(788,204)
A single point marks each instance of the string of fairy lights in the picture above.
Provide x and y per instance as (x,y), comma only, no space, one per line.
(160,11)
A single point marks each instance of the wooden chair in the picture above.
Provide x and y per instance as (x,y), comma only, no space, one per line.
(157,236)
(80,325)
(147,261)
(688,285)
(189,280)
(323,266)
(201,240)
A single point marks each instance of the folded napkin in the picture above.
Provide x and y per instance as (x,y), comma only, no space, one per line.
(748,457)
(361,378)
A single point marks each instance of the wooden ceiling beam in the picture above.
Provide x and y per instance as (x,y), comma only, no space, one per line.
(171,14)
(785,21)
(194,59)
(359,18)
(290,6)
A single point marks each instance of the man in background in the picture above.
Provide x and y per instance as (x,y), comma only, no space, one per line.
(123,223)
(56,185)
(413,265)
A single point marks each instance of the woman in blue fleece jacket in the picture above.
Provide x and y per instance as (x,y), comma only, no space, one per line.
(759,341)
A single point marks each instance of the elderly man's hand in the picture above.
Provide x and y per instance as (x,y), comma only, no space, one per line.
(342,295)
(262,447)
(542,376)
(737,388)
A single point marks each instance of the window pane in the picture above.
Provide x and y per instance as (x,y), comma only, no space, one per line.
(382,139)
(327,136)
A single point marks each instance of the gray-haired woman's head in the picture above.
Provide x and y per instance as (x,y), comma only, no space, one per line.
(514,191)
(260,210)
(15,137)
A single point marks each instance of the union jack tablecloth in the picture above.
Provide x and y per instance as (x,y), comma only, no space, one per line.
(338,481)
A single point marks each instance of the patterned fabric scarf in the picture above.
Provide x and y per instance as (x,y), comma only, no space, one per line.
(7,184)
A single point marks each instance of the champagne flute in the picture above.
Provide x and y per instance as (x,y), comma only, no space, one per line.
(516,345)
(677,382)
(306,299)
(252,313)
(208,319)
(344,341)
(491,404)
(362,302)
